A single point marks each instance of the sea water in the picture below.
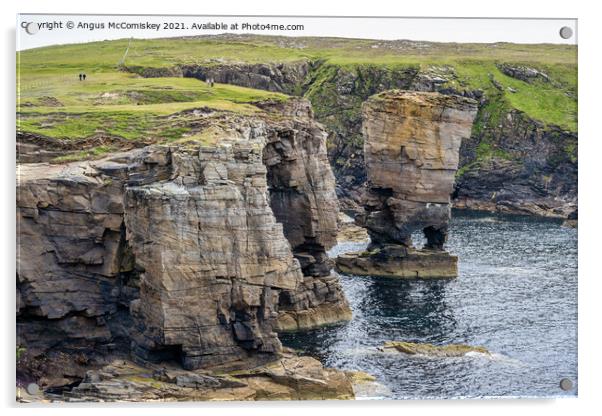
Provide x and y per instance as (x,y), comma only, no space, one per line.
(516,295)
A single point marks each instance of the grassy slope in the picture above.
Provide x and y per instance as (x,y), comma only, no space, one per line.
(53,102)
(123,104)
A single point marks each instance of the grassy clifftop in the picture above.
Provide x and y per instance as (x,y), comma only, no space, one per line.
(474,64)
(258,49)
(522,153)
(117,103)
(53,102)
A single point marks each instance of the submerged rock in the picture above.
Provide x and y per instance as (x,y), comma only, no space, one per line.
(411,149)
(366,387)
(430,350)
(572,220)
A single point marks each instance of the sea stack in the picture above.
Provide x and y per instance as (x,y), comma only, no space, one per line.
(411,146)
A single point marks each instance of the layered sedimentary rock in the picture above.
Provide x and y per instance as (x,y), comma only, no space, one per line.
(74,267)
(533,170)
(512,163)
(184,248)
(411,147)
(279,77)
(213,255)
(303,199)
(302,187)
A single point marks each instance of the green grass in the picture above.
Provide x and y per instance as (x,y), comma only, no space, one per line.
(540,100)
(94,153)
(53,102)
(486,150)
(121,88)
(105,55)
(120,103)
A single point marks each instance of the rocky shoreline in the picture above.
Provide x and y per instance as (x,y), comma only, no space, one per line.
(191,252)
(290,377)
(164,271)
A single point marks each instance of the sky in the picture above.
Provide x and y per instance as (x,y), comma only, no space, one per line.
(53,29)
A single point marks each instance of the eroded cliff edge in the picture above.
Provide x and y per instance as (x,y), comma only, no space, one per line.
(195,251)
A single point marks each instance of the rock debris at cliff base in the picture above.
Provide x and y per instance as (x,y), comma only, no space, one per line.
(290,377)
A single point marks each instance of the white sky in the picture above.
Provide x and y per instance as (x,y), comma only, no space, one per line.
(430,29)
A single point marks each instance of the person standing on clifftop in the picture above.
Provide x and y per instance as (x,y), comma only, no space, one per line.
(80,76)
(84,75)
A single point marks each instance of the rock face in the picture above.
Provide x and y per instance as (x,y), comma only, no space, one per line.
(213,255)
(524,73)
(411,148)
(277,77)
(302,189)
(189,250)
(74,266)
(303,199)
(349,231)
(535,173)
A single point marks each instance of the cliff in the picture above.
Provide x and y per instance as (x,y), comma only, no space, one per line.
(512,162)
(188,249)
(521,155)
(411,148)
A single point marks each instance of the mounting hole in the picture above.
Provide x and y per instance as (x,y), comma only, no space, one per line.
(32,389)
(31,28)
(566,32)
(566,384)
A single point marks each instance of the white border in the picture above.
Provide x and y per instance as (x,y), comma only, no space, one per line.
(590,151)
